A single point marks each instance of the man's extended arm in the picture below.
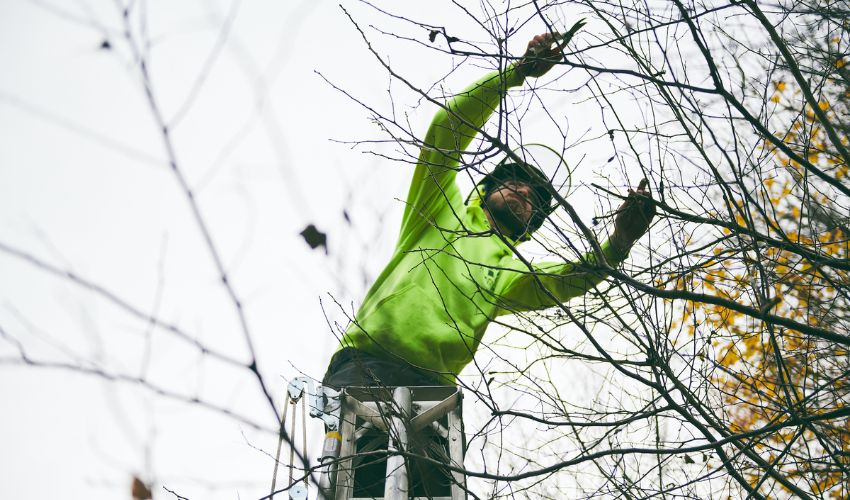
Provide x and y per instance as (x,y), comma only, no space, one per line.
(451,131)
(525,290)
(457,123)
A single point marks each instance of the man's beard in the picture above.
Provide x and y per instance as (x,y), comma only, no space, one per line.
(509,213)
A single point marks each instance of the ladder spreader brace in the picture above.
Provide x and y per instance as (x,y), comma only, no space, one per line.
(399,412)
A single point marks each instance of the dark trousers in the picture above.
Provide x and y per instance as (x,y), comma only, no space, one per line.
(351,367)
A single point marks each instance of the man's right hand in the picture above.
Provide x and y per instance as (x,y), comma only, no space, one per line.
(541,56)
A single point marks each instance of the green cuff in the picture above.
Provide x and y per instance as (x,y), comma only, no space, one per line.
(513,77)
(613,253)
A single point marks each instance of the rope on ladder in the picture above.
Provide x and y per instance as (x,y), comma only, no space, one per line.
(280,445)
(295,392)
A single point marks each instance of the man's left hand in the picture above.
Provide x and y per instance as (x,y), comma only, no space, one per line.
(633,217)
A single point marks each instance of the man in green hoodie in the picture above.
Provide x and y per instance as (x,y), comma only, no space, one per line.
(453,269)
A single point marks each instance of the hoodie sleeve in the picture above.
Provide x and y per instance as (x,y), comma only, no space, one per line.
(520,289)
(433,192)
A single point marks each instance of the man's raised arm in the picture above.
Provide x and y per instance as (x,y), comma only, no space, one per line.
(454,126)
(452,129)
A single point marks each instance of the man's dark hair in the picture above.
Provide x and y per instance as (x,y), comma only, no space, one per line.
(507,171)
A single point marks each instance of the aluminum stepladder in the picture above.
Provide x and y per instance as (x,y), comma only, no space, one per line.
(399,413)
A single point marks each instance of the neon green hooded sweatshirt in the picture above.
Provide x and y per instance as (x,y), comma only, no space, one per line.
(450,275)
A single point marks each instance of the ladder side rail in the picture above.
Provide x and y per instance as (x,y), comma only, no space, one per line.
(456,450)
(325,405)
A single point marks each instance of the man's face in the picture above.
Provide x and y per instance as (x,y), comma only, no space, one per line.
(512,205)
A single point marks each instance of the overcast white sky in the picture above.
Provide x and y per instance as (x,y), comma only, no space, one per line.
(85,187)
